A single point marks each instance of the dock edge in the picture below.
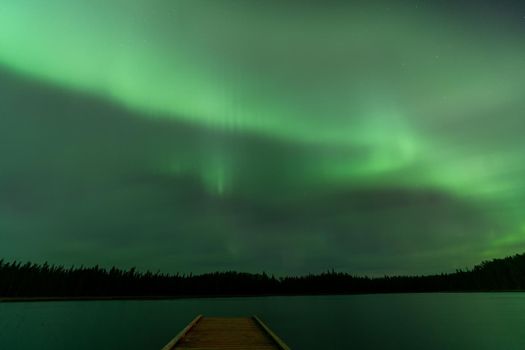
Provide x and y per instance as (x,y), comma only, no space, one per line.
(272,335)
(182,333)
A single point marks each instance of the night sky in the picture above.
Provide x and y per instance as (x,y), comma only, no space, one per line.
(289,137)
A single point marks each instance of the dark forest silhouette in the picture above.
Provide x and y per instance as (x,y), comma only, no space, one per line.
(28,280)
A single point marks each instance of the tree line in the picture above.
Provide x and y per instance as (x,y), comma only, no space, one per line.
(23,280)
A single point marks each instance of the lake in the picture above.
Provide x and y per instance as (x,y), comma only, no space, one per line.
(388,321)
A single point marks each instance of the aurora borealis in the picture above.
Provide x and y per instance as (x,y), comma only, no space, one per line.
(290,137)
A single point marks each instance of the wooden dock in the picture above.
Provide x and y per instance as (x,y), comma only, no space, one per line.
(207,333)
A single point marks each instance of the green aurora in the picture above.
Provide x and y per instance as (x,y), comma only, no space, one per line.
(279,136)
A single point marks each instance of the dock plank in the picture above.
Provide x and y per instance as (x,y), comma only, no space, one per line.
(221,333)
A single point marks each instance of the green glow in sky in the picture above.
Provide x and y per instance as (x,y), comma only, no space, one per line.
(270,113)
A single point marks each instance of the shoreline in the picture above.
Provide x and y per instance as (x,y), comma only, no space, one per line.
(213,296)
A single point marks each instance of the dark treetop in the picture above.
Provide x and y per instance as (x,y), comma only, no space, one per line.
(19,280)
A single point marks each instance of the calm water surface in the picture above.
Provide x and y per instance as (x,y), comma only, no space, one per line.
(395,321)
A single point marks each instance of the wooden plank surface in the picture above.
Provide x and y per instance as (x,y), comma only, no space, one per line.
(219,333)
